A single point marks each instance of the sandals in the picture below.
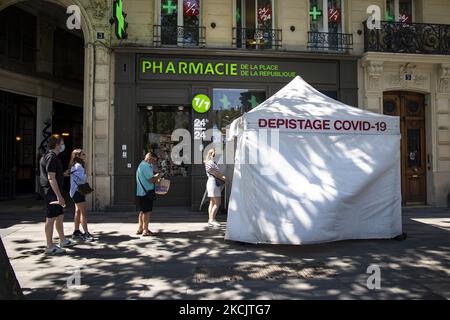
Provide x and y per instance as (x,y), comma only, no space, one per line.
(148,234)
(139,232)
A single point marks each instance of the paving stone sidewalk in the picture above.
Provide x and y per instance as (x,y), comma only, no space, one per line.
(187,260)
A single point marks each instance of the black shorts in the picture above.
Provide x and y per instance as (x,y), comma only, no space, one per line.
(145,203)
(53,210)
(78,197)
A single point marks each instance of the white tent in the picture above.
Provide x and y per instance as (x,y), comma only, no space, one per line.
(333,173)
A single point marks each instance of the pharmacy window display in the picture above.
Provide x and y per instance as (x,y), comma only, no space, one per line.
(159,123)
(230,104)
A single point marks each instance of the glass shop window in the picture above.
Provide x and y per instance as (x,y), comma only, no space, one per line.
(180,22)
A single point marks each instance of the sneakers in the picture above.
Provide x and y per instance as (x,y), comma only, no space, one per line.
(88,237)
(54,250)
(77,236)
(67,243)
(213,224)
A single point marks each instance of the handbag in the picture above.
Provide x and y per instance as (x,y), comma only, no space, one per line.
(162,187)
(84,188)
(219,182)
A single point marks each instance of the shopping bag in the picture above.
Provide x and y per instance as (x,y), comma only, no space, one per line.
(162,187)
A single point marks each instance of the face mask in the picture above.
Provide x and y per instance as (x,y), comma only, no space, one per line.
(62,147)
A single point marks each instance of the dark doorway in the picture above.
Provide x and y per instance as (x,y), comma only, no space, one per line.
(18,145)
(411,109)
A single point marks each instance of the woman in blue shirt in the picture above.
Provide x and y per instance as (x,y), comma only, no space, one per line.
(78,177)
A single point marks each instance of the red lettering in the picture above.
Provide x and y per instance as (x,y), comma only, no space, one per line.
(338,125)
(317,124)
(326,124)
(346,125)
(292,124)
(280,122)
(300,123)
(262,123)
(272,123)
(308,124)
(366,126)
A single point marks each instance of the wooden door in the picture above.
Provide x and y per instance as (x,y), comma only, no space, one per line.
(410,107)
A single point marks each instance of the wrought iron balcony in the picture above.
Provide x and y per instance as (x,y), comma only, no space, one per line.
(330,41)
(399,37)
(252,38)
(182,36)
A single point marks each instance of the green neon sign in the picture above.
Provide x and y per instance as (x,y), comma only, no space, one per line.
(169,7)
(190,68)
(119,20)
(160,68)
(315,13)
(389,17)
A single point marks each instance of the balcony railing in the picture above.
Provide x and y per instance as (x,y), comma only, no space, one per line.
(182,36)
(402,37)
(330,41)
(251,38)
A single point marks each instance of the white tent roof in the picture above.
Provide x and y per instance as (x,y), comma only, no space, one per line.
(333,174)
(299,100)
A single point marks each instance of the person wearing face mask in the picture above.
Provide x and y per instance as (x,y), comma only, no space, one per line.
(51,180)
(214,187)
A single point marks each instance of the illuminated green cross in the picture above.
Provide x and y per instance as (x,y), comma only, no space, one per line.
(170,7)
(225,102)
(238,15)
(120,20)
(315,13)
(389,17)
(253,101)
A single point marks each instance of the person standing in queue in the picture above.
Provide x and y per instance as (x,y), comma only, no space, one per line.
(51,180)
(145,192)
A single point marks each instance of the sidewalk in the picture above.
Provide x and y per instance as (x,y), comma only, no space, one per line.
(189,261)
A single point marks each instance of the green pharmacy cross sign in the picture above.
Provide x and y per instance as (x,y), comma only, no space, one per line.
(253,101)
(315,13)
(119,20)
(169,7)
(225,102)
(389,17)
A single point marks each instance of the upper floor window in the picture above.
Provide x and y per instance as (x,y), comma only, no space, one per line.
(400,10)
(254,14)
(326,16)
(179,23)
(18,37)
(255,24)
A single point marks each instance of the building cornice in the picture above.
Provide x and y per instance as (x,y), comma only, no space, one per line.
(212,52)
(404,57)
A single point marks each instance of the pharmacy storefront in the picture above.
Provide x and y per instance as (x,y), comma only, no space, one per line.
(176,105)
